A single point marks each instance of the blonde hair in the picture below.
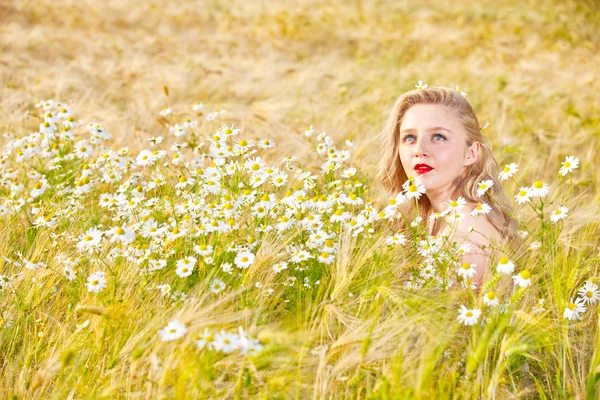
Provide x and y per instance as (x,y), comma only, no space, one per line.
(392,175)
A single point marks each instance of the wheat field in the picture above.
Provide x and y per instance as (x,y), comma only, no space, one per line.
(249,252)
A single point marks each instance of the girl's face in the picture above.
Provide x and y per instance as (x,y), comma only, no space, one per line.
(433,146)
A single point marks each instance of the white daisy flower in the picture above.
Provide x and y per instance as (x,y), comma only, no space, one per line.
(483,187)
(226,342)
(505,266)
(185,266)
(174,330)
(122,234)
(397,238)
(90,238)
(573,309)
(539,189)
(481,208)
(535,245)
(457,205)
(217,286)
(205,339)
(558,214)
(523,279)
(326,257)
(244,259)
(280,266)
(467,316)
(463,94)
(539,307)
(414,189)
(466,271)
(96,282)
(589,293)
(523,196)
(490,299)
(568,165)
(508,171)
(166,111)
(420,85)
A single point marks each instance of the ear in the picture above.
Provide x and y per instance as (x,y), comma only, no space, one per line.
(472,153)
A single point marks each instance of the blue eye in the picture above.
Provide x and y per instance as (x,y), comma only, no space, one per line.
(439,135)
(406,137)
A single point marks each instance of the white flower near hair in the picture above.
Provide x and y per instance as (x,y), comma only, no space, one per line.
(420,85)
(481,208)
(463,94)
(508,171)
(483,186)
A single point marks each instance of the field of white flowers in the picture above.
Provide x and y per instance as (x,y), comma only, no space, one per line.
(188,206)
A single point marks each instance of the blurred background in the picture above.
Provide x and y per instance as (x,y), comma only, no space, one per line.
(530,68)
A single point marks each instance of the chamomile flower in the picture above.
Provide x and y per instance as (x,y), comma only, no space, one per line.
(508,171)
(205,340)
(467,270)
(589,293)
(523,196)
(173,331)
(244,259)
(558,214)
(89,239)
(505,266)
(574,308)
(395,239)
(121,234)
(185,266)
(539,189)
(523,279)
(414,189)
(457,205)
(481,209)
(96,282)
(484,186)
(539,307)
(468,316)
(420,85)
(568,165)
(490,299)
(217,286)
(463,94)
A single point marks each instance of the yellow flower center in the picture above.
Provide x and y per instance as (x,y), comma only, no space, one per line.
(454,203)
(88,238)
(412,188)
(571,306)
(503,260)
(468,314)
(506,169)
(589,294)
(525,274)
(538,185)
(491,295)
(567,164)
(120,231)
(466,266)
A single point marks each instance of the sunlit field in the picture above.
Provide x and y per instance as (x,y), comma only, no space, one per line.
(189,209)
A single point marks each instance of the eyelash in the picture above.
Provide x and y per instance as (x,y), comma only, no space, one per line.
(436,134)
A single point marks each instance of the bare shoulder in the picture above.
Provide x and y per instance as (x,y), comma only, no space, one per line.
(483,232)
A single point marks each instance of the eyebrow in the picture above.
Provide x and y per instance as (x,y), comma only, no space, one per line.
(435,128)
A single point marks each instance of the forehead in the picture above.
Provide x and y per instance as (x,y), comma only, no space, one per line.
(423,117)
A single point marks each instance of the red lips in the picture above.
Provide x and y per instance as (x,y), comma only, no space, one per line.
(422,168)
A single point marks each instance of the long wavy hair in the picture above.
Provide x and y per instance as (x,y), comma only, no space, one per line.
(392,175)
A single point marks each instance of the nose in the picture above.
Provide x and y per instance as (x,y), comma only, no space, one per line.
(421,147)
